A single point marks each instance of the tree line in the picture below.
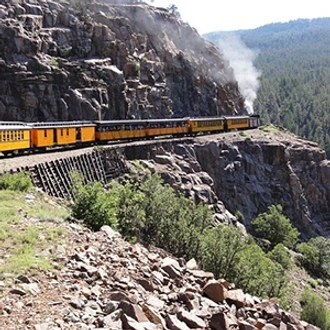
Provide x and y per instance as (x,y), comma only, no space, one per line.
(294,91)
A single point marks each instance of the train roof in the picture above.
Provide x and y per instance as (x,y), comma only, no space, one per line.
(167,120)
(13,125)
(64,124)
(120,122)
(205,118)
(218,118)
(139,121)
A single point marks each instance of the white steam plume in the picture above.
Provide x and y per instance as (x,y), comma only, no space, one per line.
(241,59)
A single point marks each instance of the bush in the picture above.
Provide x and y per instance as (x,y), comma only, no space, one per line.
(20,181)
(220,248)
(315,256)
(309,258)
(280,254)
(239,216)
(155,214)
(314,310)
(258,274)
(275,227)
(152,212)
(229,254)
(93,204)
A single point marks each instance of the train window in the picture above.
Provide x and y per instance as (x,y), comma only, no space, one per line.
(45,133)
(11,135)
(61,131)
(240,121)
(67,132)
(1,136)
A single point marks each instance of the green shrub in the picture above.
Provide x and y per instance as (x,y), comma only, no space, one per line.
(153,213)
(314,310)
(281,255)
(274,227)
(315,256)
(93,204)
(220,248)
(258,274)
(310,256)
(20,181)
(230,255)
(239,216)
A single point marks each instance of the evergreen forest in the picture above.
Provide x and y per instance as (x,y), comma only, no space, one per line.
(294,61)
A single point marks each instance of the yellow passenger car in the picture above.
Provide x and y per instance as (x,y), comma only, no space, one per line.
(50,134)
(85,132)
(204,125)
(111,130)
(14,137)
(159,127)
(238,122)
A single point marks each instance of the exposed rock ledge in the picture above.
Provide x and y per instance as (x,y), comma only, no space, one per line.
(247,172)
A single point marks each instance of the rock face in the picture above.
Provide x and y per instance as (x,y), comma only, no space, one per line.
(250,175)
(248,172)
(107,60)
(107,283)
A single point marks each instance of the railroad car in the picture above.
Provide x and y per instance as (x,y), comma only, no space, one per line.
(110,130)
(206,125)
(254,121)
(14,137)
(237,122)
(171,127)
(51,134)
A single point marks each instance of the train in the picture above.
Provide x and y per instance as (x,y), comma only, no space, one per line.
(21,137)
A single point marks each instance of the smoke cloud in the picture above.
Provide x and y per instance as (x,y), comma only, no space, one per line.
(241,59)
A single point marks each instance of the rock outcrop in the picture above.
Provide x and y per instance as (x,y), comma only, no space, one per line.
(248,172)
(255,172)
(107,283)
(107,60)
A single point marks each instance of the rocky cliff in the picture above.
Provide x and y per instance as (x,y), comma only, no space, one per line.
(247,172)
(107,60)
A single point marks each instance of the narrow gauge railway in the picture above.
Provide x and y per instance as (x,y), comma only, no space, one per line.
(18,138)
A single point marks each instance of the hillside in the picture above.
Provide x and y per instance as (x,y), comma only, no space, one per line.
(292,60)
(58,274)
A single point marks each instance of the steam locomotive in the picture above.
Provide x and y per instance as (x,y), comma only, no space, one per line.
(20,137)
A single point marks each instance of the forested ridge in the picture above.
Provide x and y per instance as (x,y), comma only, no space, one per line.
(294,61)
